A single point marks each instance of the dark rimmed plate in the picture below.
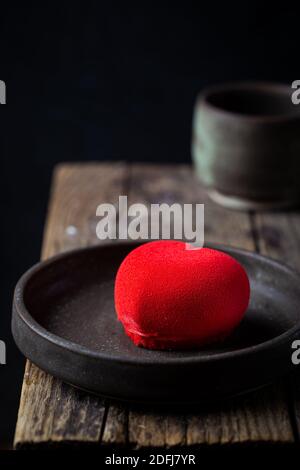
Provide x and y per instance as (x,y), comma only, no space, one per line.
(64,321)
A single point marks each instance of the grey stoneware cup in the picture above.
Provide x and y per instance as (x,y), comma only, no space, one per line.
(246,145)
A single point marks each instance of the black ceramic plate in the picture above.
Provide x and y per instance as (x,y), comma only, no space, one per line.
(64,321)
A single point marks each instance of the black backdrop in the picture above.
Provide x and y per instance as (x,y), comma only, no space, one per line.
(108,81)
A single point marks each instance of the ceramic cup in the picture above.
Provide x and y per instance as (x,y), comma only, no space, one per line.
(246,145)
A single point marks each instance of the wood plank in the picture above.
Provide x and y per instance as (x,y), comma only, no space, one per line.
(258,417)
(116,425)
(245,420)
(51,411)
(154,429)
(77,191)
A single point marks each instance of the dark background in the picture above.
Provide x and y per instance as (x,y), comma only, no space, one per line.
(109,81)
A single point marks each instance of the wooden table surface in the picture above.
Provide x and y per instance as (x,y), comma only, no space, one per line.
(53,413)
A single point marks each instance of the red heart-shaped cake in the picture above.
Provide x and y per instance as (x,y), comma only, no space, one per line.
(170,297)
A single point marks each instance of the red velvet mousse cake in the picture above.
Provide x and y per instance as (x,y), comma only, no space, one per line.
(170,297)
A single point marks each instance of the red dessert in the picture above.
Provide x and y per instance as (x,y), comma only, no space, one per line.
(170,297)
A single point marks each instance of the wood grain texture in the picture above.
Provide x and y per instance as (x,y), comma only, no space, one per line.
(116,425)
(52,412)
(149,429)
(259,417)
